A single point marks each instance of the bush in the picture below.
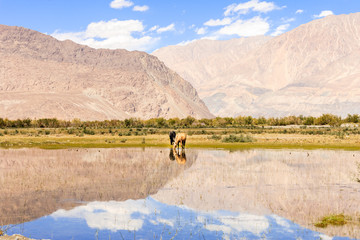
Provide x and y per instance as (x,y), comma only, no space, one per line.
(215,137)
(241,138)
(89,132)
(335,220)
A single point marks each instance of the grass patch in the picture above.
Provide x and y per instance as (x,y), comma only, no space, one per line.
(335,220)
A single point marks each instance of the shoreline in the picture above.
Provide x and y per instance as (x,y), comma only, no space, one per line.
(200,141)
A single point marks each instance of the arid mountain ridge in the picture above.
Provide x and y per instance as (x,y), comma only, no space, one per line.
(43,77)
(310,70)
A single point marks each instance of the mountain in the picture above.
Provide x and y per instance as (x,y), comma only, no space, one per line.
(310,70)
(42,77)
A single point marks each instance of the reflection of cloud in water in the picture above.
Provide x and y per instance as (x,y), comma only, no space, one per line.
(246,222)
(148,217)
(112,215)
(281,221)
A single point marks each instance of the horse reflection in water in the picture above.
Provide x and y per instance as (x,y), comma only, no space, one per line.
(176,155)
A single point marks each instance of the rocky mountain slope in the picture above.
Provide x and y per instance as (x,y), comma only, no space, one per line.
(310,70)
(43,77)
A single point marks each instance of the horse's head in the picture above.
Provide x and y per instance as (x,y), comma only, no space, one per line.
(172,136)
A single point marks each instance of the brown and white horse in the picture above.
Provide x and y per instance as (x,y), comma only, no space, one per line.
(180,138)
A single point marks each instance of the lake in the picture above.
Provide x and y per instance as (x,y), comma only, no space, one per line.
(154,193)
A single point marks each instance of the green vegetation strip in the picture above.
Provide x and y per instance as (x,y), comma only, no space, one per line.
(194,141)
(335,220)
(324,119)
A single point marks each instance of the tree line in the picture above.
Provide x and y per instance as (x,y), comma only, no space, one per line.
(188,122)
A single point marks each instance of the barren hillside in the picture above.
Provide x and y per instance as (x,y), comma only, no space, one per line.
(43,77)
(310,70)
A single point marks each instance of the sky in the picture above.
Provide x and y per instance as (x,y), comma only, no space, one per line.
(148,25)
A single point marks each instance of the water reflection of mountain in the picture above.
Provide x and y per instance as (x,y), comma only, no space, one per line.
(37,182)
(299,185)
(150,219)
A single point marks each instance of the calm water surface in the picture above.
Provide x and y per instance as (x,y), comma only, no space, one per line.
(133,193)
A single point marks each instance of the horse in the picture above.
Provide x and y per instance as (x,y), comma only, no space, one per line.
(180,138)
(172,136)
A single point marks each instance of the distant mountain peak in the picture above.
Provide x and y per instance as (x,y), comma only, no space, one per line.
(307,70)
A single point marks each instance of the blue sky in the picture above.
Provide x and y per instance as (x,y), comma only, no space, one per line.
(147,25)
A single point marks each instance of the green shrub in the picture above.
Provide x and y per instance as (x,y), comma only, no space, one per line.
(242,138)
(215,137)
(89,132)
(336,220)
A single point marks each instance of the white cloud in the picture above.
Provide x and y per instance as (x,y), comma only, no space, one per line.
(118,4)
(141,8)
(246,28)
(324,13)
(287,20)
(299,11)
(153,28)
(218,22)
(280,30)
(113,28)
(113,34)
(171,27)
(252,5)
(184,43)
(201,31)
